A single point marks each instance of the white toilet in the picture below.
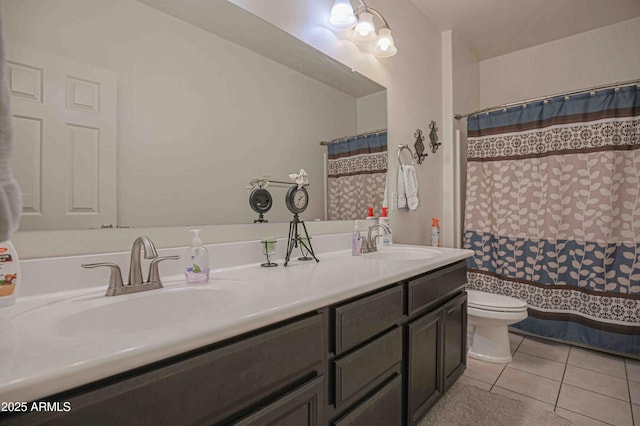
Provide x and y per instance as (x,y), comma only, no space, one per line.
(488,317)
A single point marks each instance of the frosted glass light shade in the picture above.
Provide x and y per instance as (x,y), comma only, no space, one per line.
(384,46)
(342,16)
(364,32)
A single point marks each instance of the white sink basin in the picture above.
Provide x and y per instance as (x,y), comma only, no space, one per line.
(154,310)
(151,311)
(402,254)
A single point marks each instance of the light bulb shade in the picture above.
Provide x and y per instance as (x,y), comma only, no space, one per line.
(364,32)
(342,16)
(384,46)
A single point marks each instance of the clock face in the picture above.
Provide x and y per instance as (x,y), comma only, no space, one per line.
(297,199)
(260,200)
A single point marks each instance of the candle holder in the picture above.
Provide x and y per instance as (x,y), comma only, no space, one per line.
(268,249)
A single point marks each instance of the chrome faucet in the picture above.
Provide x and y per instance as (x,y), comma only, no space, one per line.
(136,283)
(370,243)
(135,268)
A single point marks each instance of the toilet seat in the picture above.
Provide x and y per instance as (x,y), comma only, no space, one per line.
(494,302)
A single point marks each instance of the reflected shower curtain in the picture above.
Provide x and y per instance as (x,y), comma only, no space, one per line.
(553,214)
(356,175)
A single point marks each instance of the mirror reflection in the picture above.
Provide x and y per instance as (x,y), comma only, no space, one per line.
(136,114)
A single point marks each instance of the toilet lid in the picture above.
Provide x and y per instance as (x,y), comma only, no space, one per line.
(494,302)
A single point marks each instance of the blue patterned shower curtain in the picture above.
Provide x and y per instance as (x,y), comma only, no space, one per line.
(357,176)
(553,214)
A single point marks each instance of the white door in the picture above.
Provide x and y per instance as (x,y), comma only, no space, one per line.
(64,117)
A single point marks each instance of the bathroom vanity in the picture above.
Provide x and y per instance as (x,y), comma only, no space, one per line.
(358,342)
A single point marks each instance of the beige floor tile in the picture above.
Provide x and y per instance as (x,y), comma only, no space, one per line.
(484,371)
(554,351)
(477,383)
(595,405)
(579,419)
(514,341)
(536,387)
(597,361)
(636,413)
(597,382)
(526,399)
(538,366)
(633,370)
(634,390)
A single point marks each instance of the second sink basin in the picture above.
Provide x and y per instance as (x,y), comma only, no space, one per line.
(402,254)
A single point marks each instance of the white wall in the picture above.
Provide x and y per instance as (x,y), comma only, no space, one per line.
(372,112)
(602,56)
(460,95)
(198,116)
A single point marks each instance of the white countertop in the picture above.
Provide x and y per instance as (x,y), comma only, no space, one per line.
(36,362)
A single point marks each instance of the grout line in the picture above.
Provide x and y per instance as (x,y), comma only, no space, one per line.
(583,415)
(629,390)
(562,381)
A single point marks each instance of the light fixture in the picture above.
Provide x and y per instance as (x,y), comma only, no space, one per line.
(343,17)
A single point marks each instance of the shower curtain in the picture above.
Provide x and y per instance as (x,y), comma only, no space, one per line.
(356,175)
(553,214)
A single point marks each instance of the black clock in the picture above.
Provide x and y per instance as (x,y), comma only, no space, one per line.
(297,199)
(260,200)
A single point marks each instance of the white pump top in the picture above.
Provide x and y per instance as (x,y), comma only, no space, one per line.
(197,242)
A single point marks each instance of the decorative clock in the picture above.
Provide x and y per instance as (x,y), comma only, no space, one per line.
(260,201)
(297,199)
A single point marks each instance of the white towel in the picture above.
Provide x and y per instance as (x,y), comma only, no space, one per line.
(408,188)
(10,199)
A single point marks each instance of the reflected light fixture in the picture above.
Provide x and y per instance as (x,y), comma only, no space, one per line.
(360,21)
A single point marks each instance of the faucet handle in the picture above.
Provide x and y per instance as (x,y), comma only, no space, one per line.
(115,280)
(154,273)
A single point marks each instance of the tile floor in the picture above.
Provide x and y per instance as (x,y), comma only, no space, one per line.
(586,387)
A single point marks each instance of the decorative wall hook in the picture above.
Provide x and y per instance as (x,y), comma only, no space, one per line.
(433,136)
(419,146)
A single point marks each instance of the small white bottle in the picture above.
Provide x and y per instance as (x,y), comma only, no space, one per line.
(196,268)
(384,220)
(9,274)
(356,241)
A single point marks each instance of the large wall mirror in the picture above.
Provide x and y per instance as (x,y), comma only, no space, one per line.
(159,112)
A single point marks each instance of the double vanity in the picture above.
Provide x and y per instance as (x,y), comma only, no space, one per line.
(375,339)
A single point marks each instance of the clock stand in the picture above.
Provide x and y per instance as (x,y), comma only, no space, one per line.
(295,239)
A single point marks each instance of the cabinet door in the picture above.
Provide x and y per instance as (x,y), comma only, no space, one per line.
(424,365)
(455,339)
(302,407)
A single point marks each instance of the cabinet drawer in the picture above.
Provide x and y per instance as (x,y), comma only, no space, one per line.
(358,321)
(301,407)
(383,408)
(368,367)
(428,290)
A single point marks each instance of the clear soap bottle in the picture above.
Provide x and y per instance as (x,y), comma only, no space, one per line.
(196,268)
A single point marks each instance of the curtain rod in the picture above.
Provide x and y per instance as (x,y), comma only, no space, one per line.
(353,136)
(542,98)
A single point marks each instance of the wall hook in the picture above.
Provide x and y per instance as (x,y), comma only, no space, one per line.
(433,136)
(419,146)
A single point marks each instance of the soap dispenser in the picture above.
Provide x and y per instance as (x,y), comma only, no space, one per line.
(196,261)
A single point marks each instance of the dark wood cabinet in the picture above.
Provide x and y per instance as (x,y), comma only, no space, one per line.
(423,365)
(436,337)
(455,339)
